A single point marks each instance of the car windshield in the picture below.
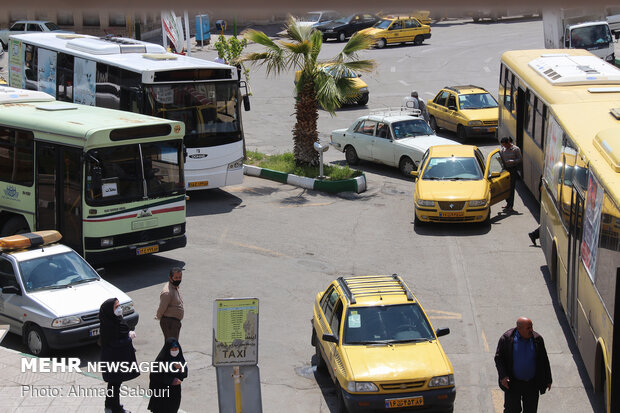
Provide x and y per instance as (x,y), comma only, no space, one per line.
(348,73)
(310,17)
(344,19)
(477,101)
(383,24)
(51,26)
(411,128)
(452,168)
(55,271)
(386,324)
(590,37)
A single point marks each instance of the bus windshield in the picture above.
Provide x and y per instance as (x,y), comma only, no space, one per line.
(209,110)
(132,173)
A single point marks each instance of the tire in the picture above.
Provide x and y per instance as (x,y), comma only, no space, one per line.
(14,225)
(350,155)
(35,341)
(418,40)
(363,100)
(340,407)
(381,43)
(406,165)
(476,19)
(433,124)
(342,37)
(460,133)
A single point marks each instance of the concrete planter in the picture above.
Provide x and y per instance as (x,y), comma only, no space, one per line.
(357,185)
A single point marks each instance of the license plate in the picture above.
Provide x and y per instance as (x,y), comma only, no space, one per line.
(147,250)
(408,402)
(451,214)
(492,129)
(198,183)
(94,332)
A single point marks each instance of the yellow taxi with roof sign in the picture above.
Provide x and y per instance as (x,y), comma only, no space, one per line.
(378,345)
(398,29)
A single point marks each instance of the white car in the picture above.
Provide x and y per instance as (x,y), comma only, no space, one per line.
(50,296)
(28,26)
(314,18)
(392,138)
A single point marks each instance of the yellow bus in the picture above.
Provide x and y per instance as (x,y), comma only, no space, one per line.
(563,110)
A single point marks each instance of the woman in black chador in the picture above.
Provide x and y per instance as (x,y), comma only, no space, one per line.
(166,386)
(116,346)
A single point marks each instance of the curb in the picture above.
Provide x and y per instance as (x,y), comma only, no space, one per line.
(357,185)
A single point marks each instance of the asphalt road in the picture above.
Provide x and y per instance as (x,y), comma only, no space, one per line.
(284,244)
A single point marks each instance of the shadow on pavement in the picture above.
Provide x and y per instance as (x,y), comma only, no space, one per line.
(211,202)
(140,272)
(449,229)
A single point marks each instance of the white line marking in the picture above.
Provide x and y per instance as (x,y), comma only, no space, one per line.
(488,59)
(393,69)
(404,83)
(401,60)
(486,69)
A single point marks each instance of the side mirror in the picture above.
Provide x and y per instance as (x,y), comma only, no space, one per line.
(10,289)
(452,107)
(246,103)
(442,332)
(330,338)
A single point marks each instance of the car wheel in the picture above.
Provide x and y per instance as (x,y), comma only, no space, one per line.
(363,100)
(350,155)
(418,40)
(36,341)
(406,165)
(433,124)
(15,225)
(320,361)
(341,37)
(476,19)
(341,407)
(460,133)
(381,43)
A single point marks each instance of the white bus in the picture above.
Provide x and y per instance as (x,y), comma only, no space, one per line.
(135,76)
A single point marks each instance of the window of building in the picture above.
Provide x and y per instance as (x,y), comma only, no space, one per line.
(117,19)
(64,18)
(90,19)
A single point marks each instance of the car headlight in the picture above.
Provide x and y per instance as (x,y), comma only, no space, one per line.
(127,308)
(236,165)
(66,321)
(361,386)
(176,230)
(447,380)
(475,123)
(107,242)
(477,202)
(610,58)
(329,30)
(363,89)
(423,202)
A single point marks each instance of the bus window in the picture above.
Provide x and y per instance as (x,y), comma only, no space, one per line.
(114,175)
(608,254)
(508,90)
(565,189)
(162,168)
(64,89)
(30,67)
(16,156)
(528,121)
(539,122)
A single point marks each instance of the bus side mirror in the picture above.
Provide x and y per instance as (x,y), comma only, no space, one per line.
(10,289)
(246,103)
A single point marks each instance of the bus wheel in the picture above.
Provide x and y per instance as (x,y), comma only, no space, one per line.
(15,225)
(554,264)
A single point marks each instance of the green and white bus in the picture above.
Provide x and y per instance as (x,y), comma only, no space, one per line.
(135,76)
(111,182)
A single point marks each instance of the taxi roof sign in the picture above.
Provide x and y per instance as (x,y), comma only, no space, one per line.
(29,239)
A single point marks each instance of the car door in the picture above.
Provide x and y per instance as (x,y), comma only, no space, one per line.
(451,112)
(498,177)
(363,137)
(411,31)
(395,32)
(10,302)
(383,145)
(440,109)
(34,27)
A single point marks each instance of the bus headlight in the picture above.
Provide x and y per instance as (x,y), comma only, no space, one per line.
(447,380)
(423,202)
(127,308)
(107,242)
(475,123)
(361,386)
(65,321)
(477,202)
(176,230)
(236,165)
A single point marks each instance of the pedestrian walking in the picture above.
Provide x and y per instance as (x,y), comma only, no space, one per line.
(116,346)
(166,386)
(511,156)
(522,367)
(170,311)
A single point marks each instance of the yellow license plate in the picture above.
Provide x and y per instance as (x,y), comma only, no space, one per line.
(147,250)
(198,183)
(408,402)
(451,214)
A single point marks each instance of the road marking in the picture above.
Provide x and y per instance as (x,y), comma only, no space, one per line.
(401,60)
(307,205)
(444,315)
(488,59)
(498,400)
(486,69)
(393,69)
(404,83)
(484,341)
(256,248)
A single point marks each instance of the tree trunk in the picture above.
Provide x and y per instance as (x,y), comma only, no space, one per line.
(305,131)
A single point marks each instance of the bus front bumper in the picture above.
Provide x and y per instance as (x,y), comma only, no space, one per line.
(131,251)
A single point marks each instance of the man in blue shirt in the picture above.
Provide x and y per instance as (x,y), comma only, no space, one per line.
(523,367)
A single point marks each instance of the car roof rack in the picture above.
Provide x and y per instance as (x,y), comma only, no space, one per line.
(390,111)
(458,88)
(365,285)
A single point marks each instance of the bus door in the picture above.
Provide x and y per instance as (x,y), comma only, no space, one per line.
(575,231)
(521,107)
(59,192)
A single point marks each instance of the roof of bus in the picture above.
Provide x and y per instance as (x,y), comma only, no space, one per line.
(582,114)
(109,51)
(64,118)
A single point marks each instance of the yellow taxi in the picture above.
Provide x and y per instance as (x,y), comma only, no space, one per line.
(361,94)
(398,29)
(455,184)
(467,110)
(373,337)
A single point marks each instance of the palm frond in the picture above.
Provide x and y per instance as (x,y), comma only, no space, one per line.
(360,65)
(359,41)
(316,40)
(303,48)
(296,32)
(260,38)
(274,60)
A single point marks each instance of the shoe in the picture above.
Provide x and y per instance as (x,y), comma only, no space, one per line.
(532,237)
(505,207)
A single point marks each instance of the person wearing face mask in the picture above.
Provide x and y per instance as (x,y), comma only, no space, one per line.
(116,346)
(166,386)
(170,311)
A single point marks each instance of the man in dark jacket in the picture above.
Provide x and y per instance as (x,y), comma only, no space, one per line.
(523,367)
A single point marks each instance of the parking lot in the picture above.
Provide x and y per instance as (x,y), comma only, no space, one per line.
(283,244)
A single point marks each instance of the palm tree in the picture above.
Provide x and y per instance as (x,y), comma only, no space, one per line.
(316,87)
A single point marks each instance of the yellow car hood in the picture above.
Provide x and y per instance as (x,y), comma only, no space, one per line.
(481,114)
(404,361)
(451,190)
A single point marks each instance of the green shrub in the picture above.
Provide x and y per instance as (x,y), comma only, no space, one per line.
(286,163)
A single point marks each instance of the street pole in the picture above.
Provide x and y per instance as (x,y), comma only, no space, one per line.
(189,47)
